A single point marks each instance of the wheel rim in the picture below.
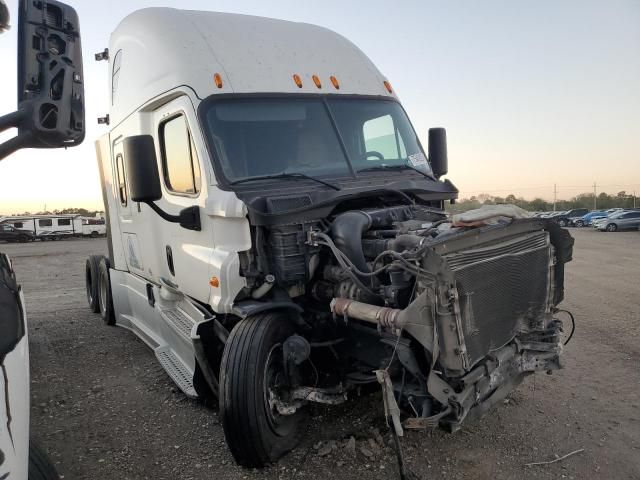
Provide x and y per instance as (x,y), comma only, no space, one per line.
(89,285)
(611,228)
(103,293)
(272,381)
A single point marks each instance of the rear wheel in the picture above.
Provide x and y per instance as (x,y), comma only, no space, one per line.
(612,227)
(92,282)
(104,296)
(251,374)
(40,466)
(94,234)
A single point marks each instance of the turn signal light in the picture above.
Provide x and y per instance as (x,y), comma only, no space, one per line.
(334,81)
(218,80)
(316,80)
(214,282)
(388,86)
(297,80)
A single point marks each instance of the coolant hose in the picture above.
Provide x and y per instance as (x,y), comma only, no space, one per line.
(346,231)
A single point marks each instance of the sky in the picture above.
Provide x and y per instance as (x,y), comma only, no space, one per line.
(532,93)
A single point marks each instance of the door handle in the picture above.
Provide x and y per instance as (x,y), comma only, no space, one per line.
(170,261)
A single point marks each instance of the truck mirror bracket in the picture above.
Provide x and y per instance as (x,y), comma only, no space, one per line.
(188,218)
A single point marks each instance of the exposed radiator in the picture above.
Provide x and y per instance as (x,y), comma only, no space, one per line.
(503,289)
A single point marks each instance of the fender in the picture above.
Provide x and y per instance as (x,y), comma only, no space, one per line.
(247,308)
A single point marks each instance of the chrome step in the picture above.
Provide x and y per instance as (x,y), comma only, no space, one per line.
(178,372)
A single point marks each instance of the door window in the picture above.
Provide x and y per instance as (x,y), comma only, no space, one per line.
(122,184)
(180,165)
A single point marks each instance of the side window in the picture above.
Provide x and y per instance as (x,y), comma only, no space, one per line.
(179,161)
(45,222)
(18,224)
(381,136)
(64,222)
(122,184)
(6,228)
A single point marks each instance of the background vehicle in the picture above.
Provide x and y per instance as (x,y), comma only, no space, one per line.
(277,235)
(587,219)
(565,219)
(56,227)
(9,233)
(623,220)
(50,115)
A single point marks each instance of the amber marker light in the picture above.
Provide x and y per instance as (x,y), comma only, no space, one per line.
(334,81)
(214,282)
(218,80)
(316,80)
(297,80)
(388,86)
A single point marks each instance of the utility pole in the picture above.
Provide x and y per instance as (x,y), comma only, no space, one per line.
(595,198)
(555,196)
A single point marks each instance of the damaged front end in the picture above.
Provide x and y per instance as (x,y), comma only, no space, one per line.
(479,319)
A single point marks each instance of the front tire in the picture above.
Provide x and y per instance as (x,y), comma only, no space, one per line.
(580,223)
(40,466)
(251,368)
(562,223)
(612,227)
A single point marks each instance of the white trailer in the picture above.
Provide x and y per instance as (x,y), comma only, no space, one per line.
(277,235)
(57,227)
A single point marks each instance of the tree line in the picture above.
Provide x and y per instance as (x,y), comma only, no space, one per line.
(65,211)
(583,200)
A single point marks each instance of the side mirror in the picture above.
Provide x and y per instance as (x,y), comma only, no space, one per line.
(438,151)
(141,165)
(50,80)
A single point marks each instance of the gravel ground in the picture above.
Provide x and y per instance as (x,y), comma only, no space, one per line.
(104,408)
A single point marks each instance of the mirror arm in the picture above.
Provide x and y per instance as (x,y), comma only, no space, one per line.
(188,218)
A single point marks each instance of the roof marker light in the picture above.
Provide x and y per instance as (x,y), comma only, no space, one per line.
(334,80)
(316,80)
(388,86)
(296,78)
(217,79)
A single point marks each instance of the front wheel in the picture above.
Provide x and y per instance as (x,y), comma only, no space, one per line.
(612,227)
(105,300)
(251,375)
(580,223)
(562,223)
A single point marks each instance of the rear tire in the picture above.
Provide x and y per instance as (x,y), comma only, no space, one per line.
(94,234)
(104,297)
(612,227)
(40,466)
(255,433)
(92,282)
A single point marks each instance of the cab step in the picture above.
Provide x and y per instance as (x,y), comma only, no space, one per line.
(178,372)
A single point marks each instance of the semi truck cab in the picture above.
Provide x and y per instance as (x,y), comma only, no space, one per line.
(277,235)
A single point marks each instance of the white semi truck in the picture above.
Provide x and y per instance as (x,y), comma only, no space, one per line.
(277,235)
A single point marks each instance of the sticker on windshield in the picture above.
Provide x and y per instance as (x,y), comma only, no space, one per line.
(418,160)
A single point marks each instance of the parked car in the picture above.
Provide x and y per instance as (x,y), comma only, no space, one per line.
(11,234)
(588,219)
(624,220)
(567,217)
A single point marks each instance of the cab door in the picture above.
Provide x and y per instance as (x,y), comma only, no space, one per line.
(187,253)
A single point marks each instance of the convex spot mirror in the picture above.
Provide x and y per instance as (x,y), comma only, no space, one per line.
(438,151)
(50,79)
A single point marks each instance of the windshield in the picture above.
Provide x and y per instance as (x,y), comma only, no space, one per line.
(319,136)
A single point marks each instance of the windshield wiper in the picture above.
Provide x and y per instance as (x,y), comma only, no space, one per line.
(284,175)
(392,167)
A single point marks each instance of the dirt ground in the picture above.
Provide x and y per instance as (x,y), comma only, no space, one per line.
(104,408)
